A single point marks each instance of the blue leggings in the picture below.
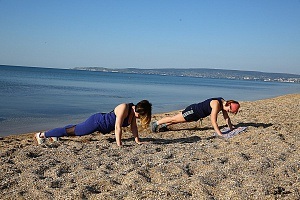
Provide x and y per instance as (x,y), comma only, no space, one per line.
(87,127)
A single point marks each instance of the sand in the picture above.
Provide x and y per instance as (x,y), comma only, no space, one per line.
(183,163)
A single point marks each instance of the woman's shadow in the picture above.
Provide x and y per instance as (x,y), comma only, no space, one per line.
(185,140)
(256,125)
(194,139)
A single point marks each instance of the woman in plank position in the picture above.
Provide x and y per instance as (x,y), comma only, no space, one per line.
(122,116)
(201,110)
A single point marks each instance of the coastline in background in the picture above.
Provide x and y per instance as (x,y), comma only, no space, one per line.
(206,73)
(34,99)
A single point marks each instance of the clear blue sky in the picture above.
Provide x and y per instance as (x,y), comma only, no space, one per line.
(260,35)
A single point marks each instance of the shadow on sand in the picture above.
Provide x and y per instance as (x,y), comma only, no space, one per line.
(256,125)
(191,139)
(196,138)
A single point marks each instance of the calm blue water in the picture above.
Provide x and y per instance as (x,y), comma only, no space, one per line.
(34,99)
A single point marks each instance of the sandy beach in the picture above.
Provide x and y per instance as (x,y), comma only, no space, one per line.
(186,162)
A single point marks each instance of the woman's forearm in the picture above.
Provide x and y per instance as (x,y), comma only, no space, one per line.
(228,122)
(118,134)
(135,134)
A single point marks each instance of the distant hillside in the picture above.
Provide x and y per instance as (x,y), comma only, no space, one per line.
(205,73)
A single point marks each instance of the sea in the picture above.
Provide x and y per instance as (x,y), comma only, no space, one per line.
(35,99)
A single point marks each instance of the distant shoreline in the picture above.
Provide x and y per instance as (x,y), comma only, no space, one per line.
(196,72)
(204,73)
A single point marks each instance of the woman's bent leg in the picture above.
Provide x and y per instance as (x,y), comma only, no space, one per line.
(171,120)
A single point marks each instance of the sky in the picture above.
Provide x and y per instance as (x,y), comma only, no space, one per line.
(252,35)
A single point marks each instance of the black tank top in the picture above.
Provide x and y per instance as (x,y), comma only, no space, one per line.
(203,109)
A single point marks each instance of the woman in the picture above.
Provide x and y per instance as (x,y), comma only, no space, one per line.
(200,110)
(122,116)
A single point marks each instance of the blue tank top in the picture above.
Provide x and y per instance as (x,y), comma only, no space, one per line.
(107,123)
(203,109)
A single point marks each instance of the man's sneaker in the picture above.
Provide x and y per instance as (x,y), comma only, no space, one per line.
(154,127)
(38,139)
